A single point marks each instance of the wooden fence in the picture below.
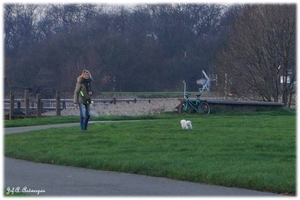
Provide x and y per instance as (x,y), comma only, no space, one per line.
(34,107)
(28,107)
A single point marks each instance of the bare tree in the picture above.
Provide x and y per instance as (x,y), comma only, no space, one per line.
(20,35)
(260,50)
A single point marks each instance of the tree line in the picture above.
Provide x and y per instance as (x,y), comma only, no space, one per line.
(146,47)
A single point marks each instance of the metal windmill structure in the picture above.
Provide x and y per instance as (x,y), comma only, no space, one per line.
(205,82)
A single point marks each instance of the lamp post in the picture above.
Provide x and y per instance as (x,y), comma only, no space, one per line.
(184,88)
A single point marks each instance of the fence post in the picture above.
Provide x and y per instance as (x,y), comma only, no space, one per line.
(38,105)
(11,106)
(26,98)
(57,103)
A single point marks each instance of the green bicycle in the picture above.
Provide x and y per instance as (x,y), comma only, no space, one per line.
(199,106)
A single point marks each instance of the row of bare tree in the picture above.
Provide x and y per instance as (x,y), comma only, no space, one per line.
(137,48)
(150,47)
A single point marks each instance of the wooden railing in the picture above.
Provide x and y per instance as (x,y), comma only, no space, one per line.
(37,106)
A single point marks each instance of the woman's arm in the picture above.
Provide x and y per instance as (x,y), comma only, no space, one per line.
(76,93)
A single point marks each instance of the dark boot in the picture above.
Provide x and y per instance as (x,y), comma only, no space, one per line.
(86,121)
(82,123)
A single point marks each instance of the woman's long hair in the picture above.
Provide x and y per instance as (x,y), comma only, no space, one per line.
(87,71)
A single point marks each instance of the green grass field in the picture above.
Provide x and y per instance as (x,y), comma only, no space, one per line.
(255,151)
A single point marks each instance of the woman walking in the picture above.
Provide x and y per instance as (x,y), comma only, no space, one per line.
(82,97)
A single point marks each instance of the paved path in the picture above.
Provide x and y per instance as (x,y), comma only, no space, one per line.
(33,128)
(53,180)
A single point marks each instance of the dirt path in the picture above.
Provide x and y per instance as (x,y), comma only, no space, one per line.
(142,107)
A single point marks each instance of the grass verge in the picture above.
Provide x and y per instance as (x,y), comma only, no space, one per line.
(247,151)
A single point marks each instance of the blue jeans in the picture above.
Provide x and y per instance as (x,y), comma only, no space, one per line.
(84,115)
(86,108)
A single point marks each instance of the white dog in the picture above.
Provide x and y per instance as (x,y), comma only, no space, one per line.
(183,123)
(186,124)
